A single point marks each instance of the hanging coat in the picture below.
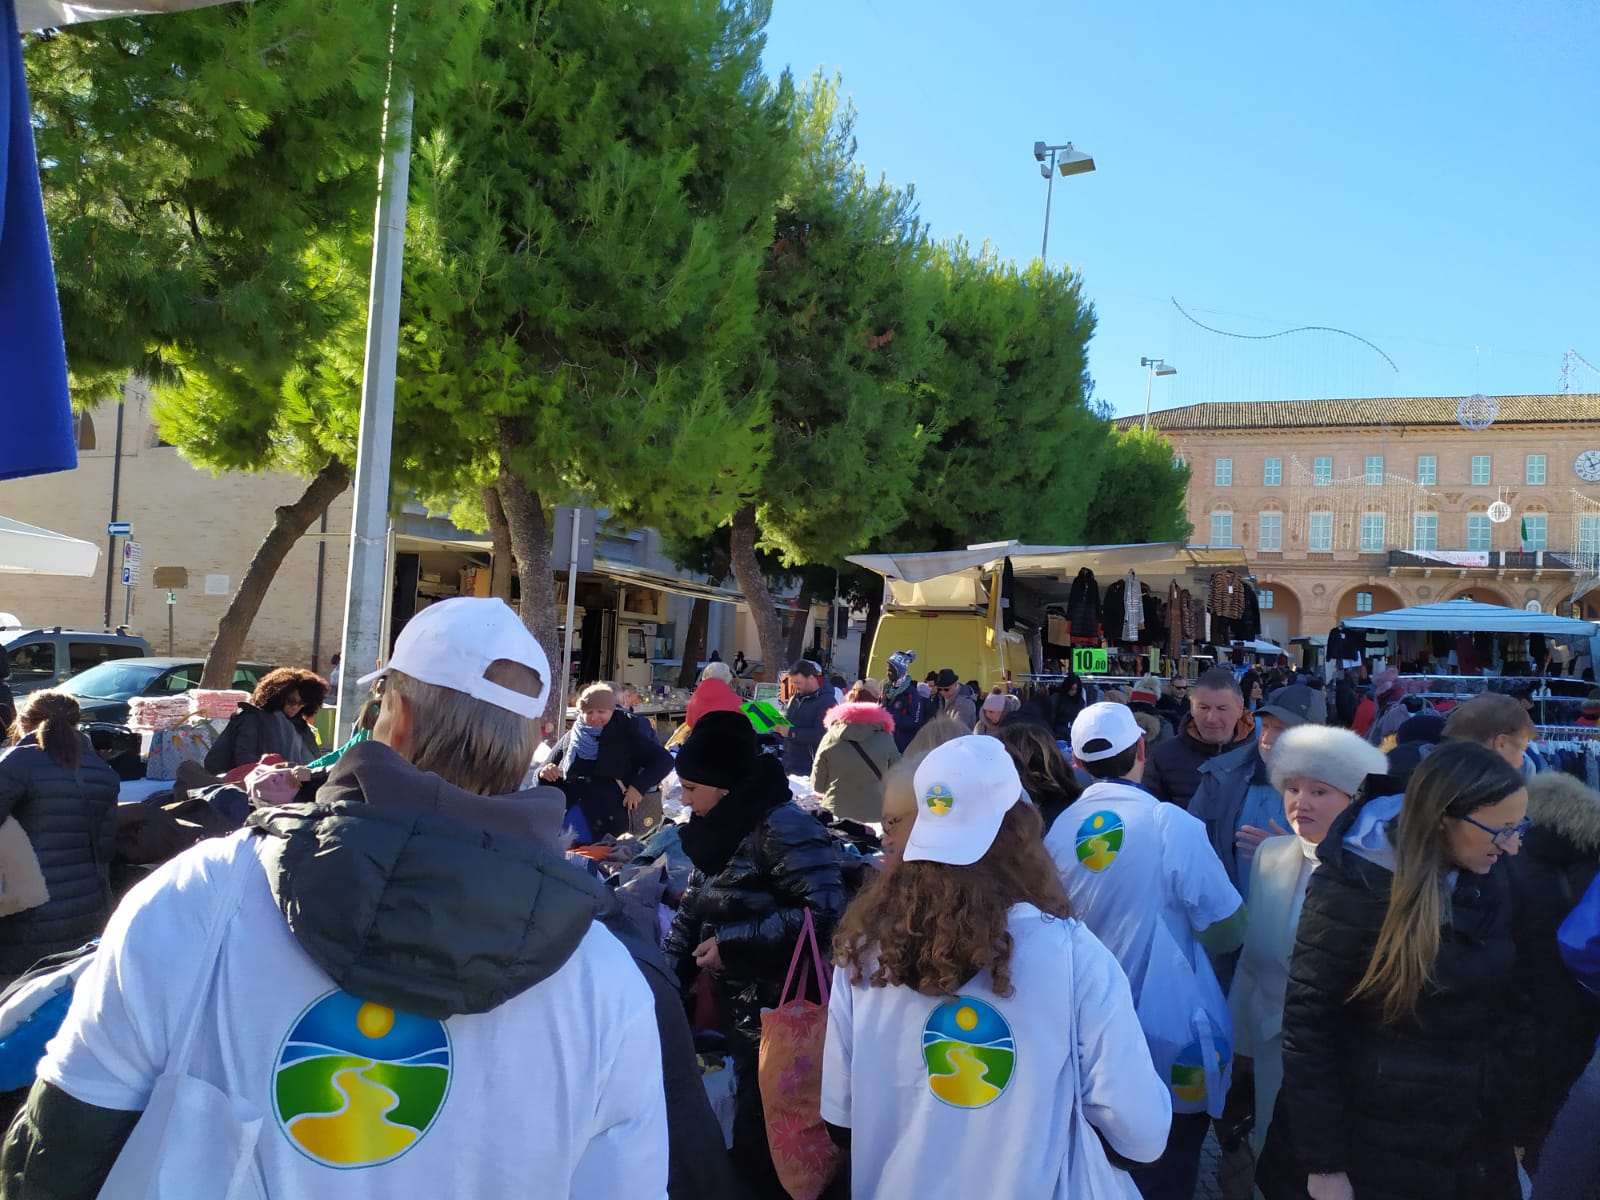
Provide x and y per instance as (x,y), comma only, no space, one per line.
(1083,605)
(1132,608)
(1251,628)
(1177,618)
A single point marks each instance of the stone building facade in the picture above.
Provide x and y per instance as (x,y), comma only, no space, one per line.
(182,516)
(1351,506)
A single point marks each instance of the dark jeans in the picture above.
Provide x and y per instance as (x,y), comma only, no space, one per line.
(751,1155)
(1175,1174)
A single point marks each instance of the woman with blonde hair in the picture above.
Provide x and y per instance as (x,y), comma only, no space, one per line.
(65,799)
(980,1040)
(1401,1017)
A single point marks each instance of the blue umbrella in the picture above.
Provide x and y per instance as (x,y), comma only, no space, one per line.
(34,404)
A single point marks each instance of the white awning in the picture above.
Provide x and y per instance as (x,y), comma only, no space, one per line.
(52,14)
(29,550)
(1473,616)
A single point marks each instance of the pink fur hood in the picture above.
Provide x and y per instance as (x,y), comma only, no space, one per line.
(860,714)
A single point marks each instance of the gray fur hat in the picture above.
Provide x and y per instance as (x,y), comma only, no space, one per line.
(1333,756)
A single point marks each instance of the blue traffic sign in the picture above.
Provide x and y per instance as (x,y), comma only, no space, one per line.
(119,528)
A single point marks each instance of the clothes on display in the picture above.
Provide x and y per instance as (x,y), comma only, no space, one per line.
(1132,608)
(1083,606)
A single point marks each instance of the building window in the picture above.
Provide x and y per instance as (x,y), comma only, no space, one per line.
(1480,531)
(1372,533)
(1263,598)
(1589,533)
(1425,531)
(1480,470)
(1222,529)
(1224,472)
(1321,533)
(1427,469)
(1535,532)
(1321,471)
(1272,473)
(1363,602)
(1535,470)
(1374,470)
(1271,531)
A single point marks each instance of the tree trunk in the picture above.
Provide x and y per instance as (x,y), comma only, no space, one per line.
(694,642)
(504,565)
(290,526)
(797,632)
(694,638)
(747,570)
(530,542)
(868,632)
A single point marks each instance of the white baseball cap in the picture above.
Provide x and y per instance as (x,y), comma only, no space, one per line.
(964,790)
(1104,730)
(452,643)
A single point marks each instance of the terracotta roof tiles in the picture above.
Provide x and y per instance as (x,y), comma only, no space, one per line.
(1398,410)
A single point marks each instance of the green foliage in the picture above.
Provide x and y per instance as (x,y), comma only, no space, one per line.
(847,304)
(582,255)
(209,181)
(1140,497)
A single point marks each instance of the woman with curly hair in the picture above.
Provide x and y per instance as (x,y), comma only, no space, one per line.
(980,1040)
(275,720)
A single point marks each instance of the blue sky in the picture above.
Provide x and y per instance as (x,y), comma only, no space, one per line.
(1425,175)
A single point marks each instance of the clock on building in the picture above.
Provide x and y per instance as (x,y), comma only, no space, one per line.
(1587,465)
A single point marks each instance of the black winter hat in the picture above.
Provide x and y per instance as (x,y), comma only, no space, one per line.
(720,750)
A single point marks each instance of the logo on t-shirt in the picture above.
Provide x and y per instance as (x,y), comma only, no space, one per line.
(969,1052)
(1188,1074)
(939,799)
(1099,840)
(358,1084)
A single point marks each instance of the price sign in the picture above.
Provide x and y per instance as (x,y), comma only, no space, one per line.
(1090,661)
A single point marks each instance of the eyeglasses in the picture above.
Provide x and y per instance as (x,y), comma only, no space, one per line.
(1502,837)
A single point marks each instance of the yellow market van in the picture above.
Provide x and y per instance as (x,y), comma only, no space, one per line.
(983,611)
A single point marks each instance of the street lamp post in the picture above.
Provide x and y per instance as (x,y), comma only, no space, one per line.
(1158,366)
(1051,159)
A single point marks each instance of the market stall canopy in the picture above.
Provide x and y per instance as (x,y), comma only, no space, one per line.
(29,550)
(35,406)
(1262,646)
(955,578)
(1473,616)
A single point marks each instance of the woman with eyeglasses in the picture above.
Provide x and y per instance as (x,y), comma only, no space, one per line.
(1399,1025)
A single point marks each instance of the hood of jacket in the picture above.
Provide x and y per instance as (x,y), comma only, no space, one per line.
(1363,830)
(712,695)
(415,894)
(1244,731)
(869,716)
(1566,817)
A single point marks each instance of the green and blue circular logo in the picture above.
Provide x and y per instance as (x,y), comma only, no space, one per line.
(939,799)
(358,1084)
(1099,840)
(969,1052)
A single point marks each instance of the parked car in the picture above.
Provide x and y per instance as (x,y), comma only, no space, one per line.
(103,692)
(44,658)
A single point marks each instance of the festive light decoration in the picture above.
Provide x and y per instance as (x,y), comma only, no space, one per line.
(1477,411)
(1499,512)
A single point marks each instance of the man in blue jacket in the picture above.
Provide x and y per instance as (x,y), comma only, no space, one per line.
(807,704)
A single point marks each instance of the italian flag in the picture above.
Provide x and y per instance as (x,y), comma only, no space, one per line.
(1525,547)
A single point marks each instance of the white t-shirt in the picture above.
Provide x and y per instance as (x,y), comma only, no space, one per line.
(1143,876)
(972,1095)
(557,1091)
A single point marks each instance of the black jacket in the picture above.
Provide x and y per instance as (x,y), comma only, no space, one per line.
(253,732)
(754,907)
(418,895)
(1559,858)
(68,816)
(1345,702)
(1172,770)
(805,715)
(1419,1110)
(1083,605)
(629,755)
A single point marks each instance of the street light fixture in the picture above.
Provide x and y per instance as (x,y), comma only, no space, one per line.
(1068,161)
(1158,366)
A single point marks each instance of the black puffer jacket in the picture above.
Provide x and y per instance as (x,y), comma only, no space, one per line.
(1172,770)
(68,816)
(1419,1110)
(1559,859)
(754,907)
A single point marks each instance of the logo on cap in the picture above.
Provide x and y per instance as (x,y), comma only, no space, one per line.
(939,799)
(1099,839)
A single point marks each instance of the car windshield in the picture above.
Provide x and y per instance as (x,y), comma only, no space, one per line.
(112,680)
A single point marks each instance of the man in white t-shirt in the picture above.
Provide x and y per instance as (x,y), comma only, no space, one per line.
(411,992)
(1143,876)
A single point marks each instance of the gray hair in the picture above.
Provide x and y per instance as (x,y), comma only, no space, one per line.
(477,746)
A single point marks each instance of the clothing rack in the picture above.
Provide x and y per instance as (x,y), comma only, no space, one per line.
(1573,749)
